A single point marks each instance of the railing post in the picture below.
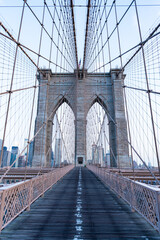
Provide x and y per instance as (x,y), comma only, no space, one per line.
(61,177)
(43,180)
(119,188)
(101,170)
(132,197)
(56,177)
(52,179)
(105,176)
(111,183)
(2,209)
(117,185)
(158,209)
(109,179)
(30,196)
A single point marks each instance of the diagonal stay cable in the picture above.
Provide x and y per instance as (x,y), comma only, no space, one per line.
(44,123)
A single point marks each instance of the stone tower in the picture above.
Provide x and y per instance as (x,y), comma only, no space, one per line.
(81,90)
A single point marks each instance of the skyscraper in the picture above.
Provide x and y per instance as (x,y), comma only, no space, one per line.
(57,152)
(30,154)
(14,153)
(25,144)
(21,161)
(101,156)
(15,150)
(107,160)
(4,157)
(94,153)
(52,159)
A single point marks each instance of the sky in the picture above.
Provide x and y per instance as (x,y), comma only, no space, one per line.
(148,15)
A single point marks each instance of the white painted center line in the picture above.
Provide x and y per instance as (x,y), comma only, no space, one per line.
(78,213)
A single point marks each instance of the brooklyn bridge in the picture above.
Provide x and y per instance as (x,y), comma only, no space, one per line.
(79,119)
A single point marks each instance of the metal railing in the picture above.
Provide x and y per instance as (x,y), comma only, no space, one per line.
(19,197)
(142,198)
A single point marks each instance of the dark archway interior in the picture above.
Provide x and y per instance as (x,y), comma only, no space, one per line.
(80,160)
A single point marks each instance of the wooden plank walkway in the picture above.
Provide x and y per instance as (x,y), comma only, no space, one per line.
(79,207)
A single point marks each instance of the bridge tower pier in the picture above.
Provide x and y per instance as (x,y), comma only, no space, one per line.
(80,119)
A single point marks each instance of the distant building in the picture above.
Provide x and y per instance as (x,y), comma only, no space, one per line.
(9,158)
(89,161)
(25,144)
(94,153)
(107,160)
(30,154)
(101,155)
(15,150)
(21,161)
(12,159)
(57,152)
(52,159)
(149,165)
(135,164)
(4,162)
(14,154)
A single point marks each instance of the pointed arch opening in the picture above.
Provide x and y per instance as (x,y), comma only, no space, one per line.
(97,135)
(63,136)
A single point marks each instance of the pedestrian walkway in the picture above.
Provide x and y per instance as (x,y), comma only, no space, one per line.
(79,207)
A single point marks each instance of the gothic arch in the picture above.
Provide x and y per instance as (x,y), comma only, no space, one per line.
(111,126)
(100,101)
(58,105)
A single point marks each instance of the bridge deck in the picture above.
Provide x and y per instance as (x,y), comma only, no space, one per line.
(79,207)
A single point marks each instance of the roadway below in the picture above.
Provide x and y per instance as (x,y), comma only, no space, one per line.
(79,207)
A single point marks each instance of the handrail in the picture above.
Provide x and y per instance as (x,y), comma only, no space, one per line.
(142,198)
(16,198)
